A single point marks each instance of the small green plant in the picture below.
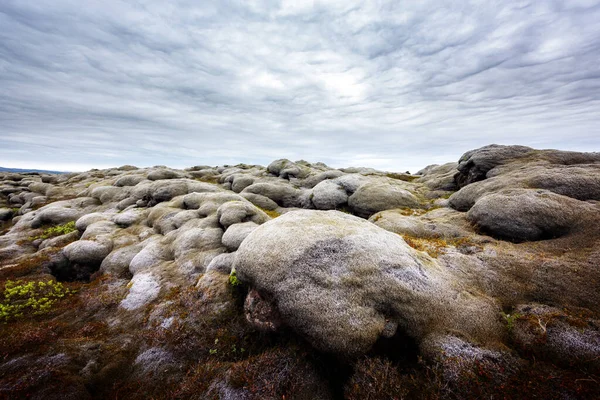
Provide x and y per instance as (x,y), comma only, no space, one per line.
(35,298)
(15,210)
(233,280)
(234,349)
(213,352)
(510,320)
(58,230)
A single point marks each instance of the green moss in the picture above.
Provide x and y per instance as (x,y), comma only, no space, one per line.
(58,230)
(233,280)
(34,298)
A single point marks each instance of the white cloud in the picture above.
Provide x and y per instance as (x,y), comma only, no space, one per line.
(388,84)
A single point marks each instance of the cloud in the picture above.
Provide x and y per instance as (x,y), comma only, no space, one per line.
(391,84)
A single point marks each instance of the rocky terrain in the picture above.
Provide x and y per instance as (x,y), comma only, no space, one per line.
(476,279)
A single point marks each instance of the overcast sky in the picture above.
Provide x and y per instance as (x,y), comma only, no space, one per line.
(393,85)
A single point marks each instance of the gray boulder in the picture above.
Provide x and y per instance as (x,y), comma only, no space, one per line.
(153,253)
(222,263)
(197,239)
(109,194)
(528,214)
(89,219)
(129,180)
(195,200)
(474,165)
(439,177)
(580,182)
(438,223)
(329,195)
(117,262)
(338,279)
(234,212)
(59,241)
(282,194)
(55,215)
(260,201)
(87,251)
(163,173)
(6,214)
(241,182)
(166,191)
(376,196)
(235,234)
(286,169)
(129,217)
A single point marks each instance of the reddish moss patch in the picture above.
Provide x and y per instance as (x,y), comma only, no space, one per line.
(279,373)
(375,379)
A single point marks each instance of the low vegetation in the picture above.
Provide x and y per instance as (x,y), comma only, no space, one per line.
(58,230)
(435,247)
(30,298)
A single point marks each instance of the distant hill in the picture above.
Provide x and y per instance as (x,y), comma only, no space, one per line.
(24,171)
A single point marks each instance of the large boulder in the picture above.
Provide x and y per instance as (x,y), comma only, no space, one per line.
(6,214)
(235,212)
(376,196)
(235,234)
(241,182)
(286,169)
(329,195)
(88,251)
(438,223)
(528,214)
(163,173)
(439,177)
(55,215)
(282,194)
(343,282)
(474,165)
(129,180)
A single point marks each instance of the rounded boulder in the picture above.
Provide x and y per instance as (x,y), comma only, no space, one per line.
(338,279)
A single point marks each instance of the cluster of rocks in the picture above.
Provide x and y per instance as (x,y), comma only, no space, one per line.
(331,254)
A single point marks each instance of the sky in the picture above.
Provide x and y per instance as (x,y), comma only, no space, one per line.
(393,85)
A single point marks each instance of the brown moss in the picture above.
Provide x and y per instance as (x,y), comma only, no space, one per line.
(28,336)
(270,213)
(214,179)
(402,177)
(28,266)
(279,373)
(376,379)
(436,246)
(197,381)
(199,334)
(5,227)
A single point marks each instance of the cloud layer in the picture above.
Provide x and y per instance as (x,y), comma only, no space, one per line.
(393,85)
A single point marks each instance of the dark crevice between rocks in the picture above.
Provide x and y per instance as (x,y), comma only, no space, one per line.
(400,349)
(65,271)
(334,371)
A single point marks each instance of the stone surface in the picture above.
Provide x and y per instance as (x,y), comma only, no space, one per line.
(371,198)
(472,278)
(340,278)
(235,234)
(527,214)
